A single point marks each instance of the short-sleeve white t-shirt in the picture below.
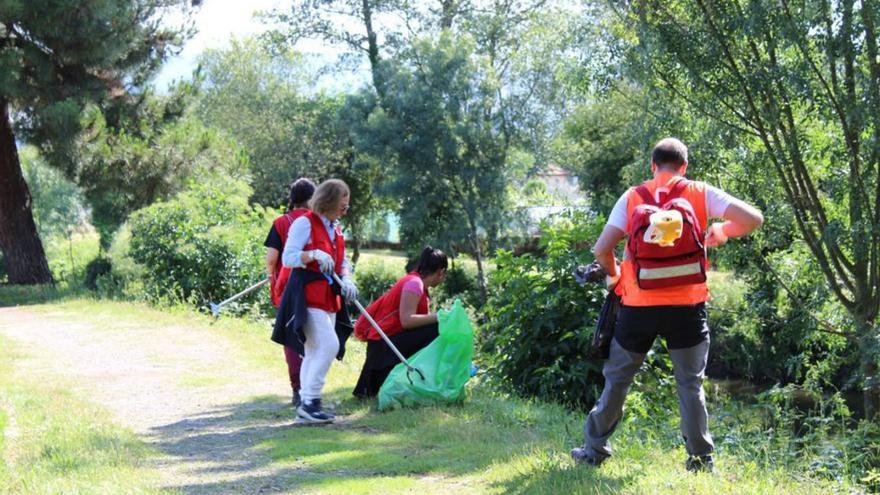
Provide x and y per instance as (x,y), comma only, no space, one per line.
(717,202)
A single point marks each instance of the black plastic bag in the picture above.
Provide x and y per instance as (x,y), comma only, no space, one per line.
(600,346)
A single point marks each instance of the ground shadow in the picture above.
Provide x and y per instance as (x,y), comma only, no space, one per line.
(224,443)
(253,447)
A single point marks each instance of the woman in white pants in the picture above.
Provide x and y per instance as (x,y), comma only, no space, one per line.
(315,244)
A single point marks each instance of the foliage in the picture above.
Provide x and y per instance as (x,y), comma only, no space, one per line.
(95,269)
(799,83)
(200,246)
(68,257)
(374,278)
(256,97)
(258,94)
(439,125)
(460,283)
(540,322)
(58,205)
(57,59)
(152,155)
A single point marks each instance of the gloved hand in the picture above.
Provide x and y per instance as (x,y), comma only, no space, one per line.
(715,235)
(325,261)
(349,290)
(611,280)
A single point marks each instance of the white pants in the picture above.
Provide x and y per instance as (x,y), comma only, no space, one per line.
(321,347)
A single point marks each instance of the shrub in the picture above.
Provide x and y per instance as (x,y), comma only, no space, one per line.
(96,268)
(374,278)
(540,322)
(460,283)
(203,245)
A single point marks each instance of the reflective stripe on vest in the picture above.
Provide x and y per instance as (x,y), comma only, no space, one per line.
(669,271)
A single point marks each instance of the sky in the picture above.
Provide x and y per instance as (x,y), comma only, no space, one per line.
(217,21)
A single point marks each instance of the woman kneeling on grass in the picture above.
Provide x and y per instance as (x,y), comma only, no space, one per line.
(315,250)
(403,315)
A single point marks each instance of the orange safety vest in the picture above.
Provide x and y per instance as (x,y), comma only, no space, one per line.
(685,295)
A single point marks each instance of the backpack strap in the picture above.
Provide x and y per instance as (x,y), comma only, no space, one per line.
(646,195)
(677,189)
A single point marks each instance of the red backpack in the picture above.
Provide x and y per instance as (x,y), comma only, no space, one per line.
(681,263)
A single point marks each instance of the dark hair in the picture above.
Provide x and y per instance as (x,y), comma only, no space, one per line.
(301,191)
(431,260)
(670,153)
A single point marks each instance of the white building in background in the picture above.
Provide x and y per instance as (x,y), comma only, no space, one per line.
(562,184)
(562,187)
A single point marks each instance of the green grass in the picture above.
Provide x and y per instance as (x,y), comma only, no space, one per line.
(493,443)
(53,442)
(499,444)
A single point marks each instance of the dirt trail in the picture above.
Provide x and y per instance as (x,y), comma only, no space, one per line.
(182,389)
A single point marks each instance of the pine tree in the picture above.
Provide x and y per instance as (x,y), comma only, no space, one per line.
(56,57)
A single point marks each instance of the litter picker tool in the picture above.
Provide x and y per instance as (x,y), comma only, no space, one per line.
(215,308)
(409,367)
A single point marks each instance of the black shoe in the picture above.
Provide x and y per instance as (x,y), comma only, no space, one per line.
(296,400)
(582,455)
(700,463)
(312,412)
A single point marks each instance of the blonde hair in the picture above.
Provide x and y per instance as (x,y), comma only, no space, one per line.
(328,194)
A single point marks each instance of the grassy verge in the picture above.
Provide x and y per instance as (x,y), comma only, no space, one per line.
(53,442)
(492,444)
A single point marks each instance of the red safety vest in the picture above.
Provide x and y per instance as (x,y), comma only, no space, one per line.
(282,273)
(318,293)
(386,311)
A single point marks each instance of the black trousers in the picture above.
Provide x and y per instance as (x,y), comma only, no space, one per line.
(681,326)
(381,359)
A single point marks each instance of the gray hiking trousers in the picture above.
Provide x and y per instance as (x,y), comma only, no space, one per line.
(687,335)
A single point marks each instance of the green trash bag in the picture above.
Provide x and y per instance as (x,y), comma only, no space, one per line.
(445,363)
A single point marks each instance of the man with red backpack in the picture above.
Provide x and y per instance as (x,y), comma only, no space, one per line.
(662,284)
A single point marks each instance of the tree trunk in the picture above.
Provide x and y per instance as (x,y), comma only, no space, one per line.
(373,49)
(868,363)
(355,244)
(23,254)
(478,256)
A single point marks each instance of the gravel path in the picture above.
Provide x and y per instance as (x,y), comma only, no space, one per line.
(182,389)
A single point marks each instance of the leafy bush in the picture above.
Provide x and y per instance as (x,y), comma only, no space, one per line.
(374,278)
(763,333)
(95,269)
(69,255)
(460,283)
(540,322)
(203,245)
